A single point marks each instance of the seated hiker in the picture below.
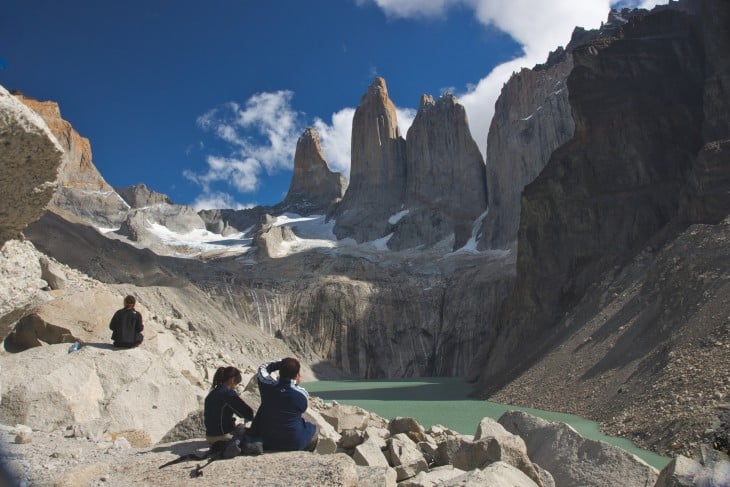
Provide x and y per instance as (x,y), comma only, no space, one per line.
(279,420)
(222,403)
(126,325)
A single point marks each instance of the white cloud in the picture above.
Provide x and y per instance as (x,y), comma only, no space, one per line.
(218,200)
(241,174)
(538,26)
(336,140)
(412,8)
(260,139)
(405,119)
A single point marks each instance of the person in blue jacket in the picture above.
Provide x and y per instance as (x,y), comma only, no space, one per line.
(279,421)
(222,403)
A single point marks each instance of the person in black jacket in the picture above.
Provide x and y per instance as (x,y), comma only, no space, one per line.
(126,325)
(222,403)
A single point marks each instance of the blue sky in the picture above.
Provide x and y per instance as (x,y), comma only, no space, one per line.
(204,102)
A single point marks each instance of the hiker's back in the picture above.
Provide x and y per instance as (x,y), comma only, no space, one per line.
(126,325)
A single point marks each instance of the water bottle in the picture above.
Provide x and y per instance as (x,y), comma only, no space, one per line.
(74,347)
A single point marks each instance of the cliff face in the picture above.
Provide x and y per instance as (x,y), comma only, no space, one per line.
(445,176)
(313,188)
(378,168)
(372,318)
(29,163)
(648,141)
(532,117)
(81,191)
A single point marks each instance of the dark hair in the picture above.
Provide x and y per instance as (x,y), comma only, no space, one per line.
(224,373)
(130,300)
(289,368)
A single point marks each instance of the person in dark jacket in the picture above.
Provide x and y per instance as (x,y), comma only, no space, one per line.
(279,420)
(221,403)
(126,325)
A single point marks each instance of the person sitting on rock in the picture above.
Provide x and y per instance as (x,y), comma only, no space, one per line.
(126,325)
(279,421)
(221,404)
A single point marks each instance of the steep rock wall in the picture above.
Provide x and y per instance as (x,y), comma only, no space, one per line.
(445,176)
(532,118)
(378,168)
(371,320)
(639,102)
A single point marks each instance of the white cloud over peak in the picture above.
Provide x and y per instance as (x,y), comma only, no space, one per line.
(259,138)
(336,140)
(538,26)
(218,200)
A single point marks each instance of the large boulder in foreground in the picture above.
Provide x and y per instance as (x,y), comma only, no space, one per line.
(82,191)
(574,460)
(127,389)
(29,163)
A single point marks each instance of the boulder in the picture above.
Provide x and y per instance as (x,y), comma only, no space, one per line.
(29,164)
(82,191)
(281,469)
(133,389)
(574,460)
(409,426)
(436,477)
(498,473)
(369,453)
(375,477)
(351,438)
(345,417)
(406,457)
(490,427)
(52,273)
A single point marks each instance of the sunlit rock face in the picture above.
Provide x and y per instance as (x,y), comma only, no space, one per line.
(445,185)
(313,188)
(82,191)
(531,119)
(29,163)
(378,171)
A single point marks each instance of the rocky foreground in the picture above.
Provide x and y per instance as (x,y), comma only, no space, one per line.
(356,448)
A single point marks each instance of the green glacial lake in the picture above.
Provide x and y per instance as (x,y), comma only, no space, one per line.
(444,401)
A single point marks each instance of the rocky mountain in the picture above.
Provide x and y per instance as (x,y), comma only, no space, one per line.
(445,180)
(82,191)
(626,185)
(377,170)
(532,118)
(313,186)
(618,312)
(418,192)
(139,196)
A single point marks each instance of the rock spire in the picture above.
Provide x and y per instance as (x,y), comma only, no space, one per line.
(313,187)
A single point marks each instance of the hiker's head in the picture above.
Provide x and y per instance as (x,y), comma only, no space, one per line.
(129,301)
(289,369)
(229,376)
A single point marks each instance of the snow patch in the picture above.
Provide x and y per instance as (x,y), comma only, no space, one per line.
(397,217)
